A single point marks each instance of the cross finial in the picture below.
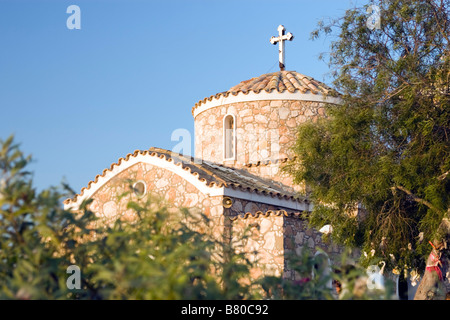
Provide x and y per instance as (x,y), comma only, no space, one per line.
(281,38)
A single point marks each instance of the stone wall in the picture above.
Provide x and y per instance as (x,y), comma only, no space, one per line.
(264,246)
(274,234)
(275,231)
(264,129)
(110,201)
(298,235)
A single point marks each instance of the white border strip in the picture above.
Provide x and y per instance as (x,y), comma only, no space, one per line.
(141,158)
(188,176)
(267,199)
(263,95)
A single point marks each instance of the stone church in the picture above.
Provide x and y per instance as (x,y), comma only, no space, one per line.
(243,137)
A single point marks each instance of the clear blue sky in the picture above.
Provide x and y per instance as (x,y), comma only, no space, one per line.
(78,100)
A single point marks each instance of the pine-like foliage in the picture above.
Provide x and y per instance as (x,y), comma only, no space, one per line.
(385,150)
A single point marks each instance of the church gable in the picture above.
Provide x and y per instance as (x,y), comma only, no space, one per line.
(207,178)
(143,180)
(158,172)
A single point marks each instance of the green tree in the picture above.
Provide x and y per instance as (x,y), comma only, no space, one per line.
(384,151)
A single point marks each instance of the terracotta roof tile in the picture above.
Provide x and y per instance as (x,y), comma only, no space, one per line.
(211,173)
(247,215)
(269,162)
(279,81)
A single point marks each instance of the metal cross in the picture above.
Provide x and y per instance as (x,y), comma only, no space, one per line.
(281,38)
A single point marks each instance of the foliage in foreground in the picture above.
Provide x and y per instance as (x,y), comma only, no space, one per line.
(157,256)
(152,257)
(317,280)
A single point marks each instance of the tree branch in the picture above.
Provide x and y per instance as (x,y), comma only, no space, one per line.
(444,175)
(418,200)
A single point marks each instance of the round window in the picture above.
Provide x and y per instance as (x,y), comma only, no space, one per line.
(139,189)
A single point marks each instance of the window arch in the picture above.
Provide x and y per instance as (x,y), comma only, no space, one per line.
(229,137)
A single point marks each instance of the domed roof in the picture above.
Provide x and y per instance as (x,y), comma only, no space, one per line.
(280,81)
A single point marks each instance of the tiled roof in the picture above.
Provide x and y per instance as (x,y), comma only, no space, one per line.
(296,214)
(269,162)
(279,81)
(210,173)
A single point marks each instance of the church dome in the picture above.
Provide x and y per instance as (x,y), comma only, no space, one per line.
(257,119)
(281,81)
(287,82)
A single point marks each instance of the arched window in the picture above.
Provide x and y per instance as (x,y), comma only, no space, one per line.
(229,137)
